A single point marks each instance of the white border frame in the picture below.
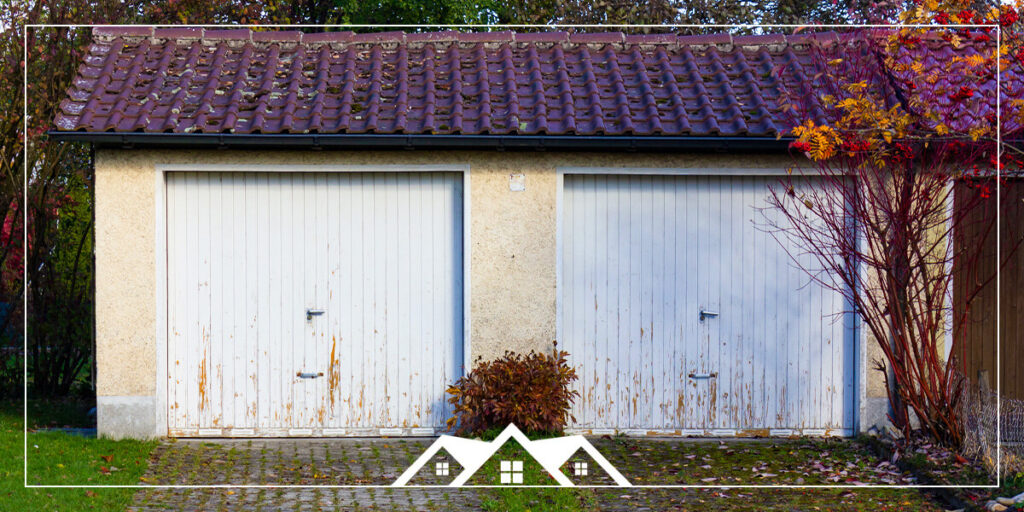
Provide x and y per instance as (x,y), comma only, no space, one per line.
(25,323)
(857,335)
(161,428)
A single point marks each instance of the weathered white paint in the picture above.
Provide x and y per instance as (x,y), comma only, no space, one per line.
(641,256)
(248,254)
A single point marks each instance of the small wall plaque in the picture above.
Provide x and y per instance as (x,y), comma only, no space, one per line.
(517,182)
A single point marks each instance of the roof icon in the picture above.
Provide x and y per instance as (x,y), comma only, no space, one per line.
(551,454)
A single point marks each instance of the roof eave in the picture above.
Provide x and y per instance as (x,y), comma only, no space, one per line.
(129,140)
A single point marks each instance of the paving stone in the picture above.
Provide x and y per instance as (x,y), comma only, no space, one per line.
(290,462)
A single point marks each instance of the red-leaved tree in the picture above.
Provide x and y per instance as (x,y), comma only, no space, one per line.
(896,121)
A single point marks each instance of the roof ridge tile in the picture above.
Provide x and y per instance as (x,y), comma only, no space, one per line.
(651,39)
(339,37)
(705,40)
(597,37)
(394,37)
(501,36)
(561,37)
(752,42)
(232,34)
(278,36)
(759,39)
(807,38)
(445,36)
(115,31)
(178,33)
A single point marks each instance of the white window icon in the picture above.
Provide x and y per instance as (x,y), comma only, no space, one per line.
(441,469)
(579,468)
(512,472)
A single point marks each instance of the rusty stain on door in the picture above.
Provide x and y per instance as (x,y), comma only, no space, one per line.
(334,372)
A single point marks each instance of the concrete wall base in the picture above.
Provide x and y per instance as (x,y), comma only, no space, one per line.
(874,413)
(119,417)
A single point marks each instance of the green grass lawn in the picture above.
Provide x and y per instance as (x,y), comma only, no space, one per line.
(60,459)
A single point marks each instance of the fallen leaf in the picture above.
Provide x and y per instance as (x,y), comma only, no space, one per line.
(108,458)
(89,494)
(104,470)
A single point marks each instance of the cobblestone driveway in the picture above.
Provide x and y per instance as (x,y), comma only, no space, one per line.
(379,461)
(294,462)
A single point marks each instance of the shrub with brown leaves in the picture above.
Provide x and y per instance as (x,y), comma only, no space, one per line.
(532,391)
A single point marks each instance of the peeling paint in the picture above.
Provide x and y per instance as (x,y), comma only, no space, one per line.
(333,373)
(755,432)
(712,400)
(203,395)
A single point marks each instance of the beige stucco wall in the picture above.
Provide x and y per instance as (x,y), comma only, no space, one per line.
(125,276)
(513,253)
(875,381)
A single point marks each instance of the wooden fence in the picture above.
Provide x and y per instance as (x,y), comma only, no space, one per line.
(980,329)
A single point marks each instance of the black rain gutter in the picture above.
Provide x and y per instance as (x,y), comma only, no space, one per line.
(129,140)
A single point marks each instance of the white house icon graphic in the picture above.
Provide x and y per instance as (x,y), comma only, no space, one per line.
(550,453)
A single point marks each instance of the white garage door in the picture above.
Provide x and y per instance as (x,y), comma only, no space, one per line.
(642,257)
(312,304)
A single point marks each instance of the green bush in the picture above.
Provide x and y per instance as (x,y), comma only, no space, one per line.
(532,391)
(11,372)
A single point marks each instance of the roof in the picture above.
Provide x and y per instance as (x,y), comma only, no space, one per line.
(144,80)
(238,81)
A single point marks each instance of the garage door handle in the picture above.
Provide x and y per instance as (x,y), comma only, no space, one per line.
(310,313)
(711,375)
(707,314)
(309,375)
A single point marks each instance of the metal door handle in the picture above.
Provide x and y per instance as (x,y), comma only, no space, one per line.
(310,313)
(711,375)
(707,314)
(309,375)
